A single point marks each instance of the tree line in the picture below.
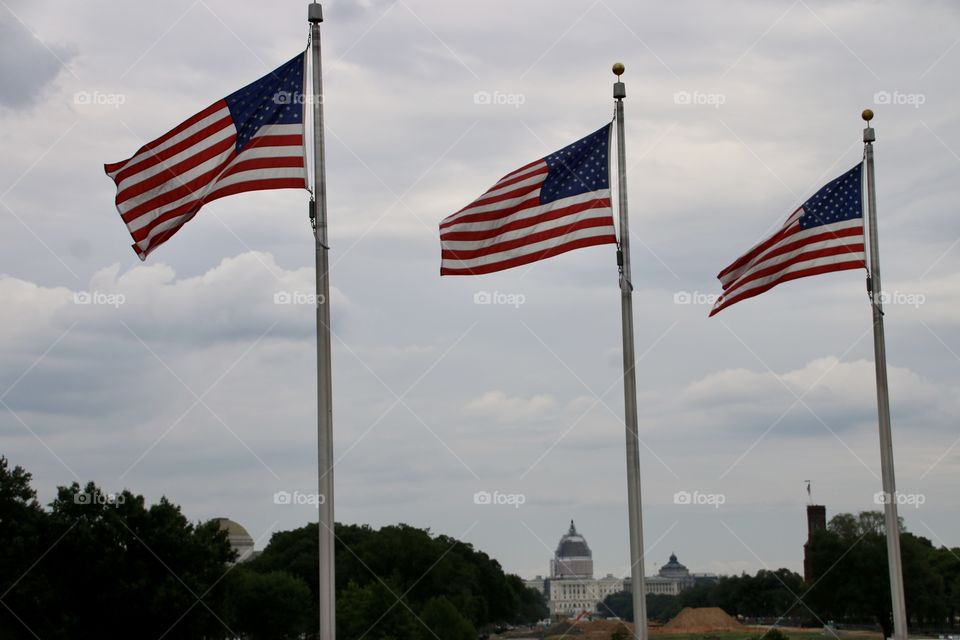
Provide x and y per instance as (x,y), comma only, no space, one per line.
(91,565)
(850,584)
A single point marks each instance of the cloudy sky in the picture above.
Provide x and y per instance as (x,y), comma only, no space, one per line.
(182,376)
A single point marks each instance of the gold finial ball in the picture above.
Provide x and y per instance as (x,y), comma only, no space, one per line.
(867,114)
(618,68)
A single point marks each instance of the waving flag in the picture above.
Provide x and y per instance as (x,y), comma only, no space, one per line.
(825,234)
(251,140)
(545,208)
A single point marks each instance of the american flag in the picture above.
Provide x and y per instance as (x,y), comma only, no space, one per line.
(545,208)
(825,234)
(251,140)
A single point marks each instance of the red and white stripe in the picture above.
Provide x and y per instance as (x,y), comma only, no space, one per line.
(166,182)
(507,226)
(793,253)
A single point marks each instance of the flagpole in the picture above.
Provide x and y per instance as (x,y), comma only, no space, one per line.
(318,217)
(892,521)
(629,380)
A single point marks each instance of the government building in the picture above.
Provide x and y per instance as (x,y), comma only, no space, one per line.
(571,590)
(671,580)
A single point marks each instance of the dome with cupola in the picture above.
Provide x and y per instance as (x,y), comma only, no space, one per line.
(673,569)
(573,558)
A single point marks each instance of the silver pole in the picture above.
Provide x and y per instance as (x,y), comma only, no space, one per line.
(629,380)
(325,525)
(892,522)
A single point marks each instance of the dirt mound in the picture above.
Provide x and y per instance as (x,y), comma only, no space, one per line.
(595,630)
(563,629)
(702,620)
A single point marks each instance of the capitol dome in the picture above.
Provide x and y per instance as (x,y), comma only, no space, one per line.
(573,558)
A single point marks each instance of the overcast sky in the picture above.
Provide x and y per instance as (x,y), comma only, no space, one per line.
(199,387)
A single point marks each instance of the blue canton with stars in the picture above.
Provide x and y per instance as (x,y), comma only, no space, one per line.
(581,167)
(839,200)
(276,98)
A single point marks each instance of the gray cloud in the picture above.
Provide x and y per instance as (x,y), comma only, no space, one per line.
(491,397)
(27,63)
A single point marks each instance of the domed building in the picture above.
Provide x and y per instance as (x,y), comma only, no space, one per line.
(671,580)
(571,588)
(573,558)
(240,540)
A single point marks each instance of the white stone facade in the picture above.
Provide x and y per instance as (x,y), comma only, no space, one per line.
(569,597)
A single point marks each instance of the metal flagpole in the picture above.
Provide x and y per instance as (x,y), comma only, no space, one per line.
(629,379)
(892,522)
(318,217)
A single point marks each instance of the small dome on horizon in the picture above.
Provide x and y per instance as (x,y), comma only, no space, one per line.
(238,537)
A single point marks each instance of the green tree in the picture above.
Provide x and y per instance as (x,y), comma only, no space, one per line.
(149,567)
(375,611)
(532,607)
(661,607)
(267,606)
(924,587)
(106,566)
(416,564)
(946,562)
(444,621)
(767,594)
(23,526)
(618,605)
(852,582)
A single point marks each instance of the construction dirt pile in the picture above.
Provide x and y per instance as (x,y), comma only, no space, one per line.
(595,630)
(701,620)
